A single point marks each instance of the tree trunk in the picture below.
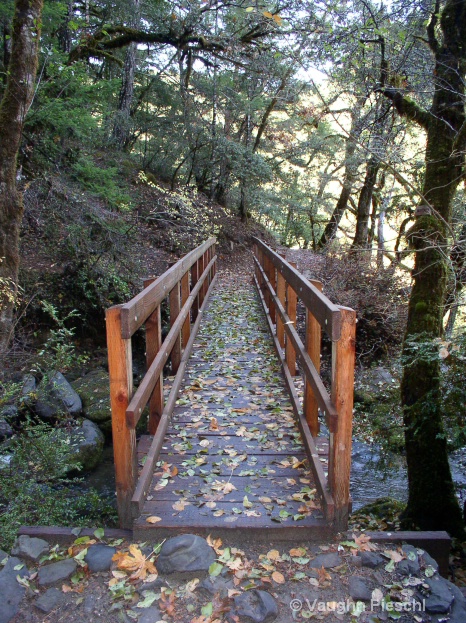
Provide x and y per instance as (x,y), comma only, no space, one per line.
(457,260)
(361,237)
(432,503)
(122,123)
(13,109)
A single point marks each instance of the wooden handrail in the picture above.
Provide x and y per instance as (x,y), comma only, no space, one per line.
(279,283)
(187,284)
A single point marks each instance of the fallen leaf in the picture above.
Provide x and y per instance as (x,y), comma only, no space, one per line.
(278,577)
(153,519)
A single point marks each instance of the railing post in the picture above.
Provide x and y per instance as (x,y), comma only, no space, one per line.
(313,344)
(291,304)
(194,279)
(174,301)
(343,359)
(281,294)
(186,331)
(153,345)
(124,438)
(201,266)
(272,277)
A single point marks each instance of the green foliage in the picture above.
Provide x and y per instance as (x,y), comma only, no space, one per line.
(59,351)
(101,181)
(35,489)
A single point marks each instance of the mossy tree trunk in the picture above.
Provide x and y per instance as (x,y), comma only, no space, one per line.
(13,110)
(432,504)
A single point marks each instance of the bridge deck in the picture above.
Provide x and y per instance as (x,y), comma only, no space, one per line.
(232,456)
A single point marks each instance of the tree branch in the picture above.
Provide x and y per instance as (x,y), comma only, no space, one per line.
(431,38)
(406,107)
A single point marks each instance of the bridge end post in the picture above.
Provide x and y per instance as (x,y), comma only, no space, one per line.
(124,438)
(343,362)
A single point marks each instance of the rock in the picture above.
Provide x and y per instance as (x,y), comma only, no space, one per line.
(30,547)
(440,598)
(428,561)
(150,615)
(95,396)
(327,561)
(3,556)
(371,559)
(11,592)
(57,396)
(358,589)
(458,610)
(256,606)
(186,552)
(49,600)
(5,429)
(408,567)
(28,390)
(56,572)
(210,586)
(89,603)
(86,445)
(99,557)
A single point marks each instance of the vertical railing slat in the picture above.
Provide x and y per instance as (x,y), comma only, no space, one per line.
(313,345)
(153,345)
(174,302)
(291,306)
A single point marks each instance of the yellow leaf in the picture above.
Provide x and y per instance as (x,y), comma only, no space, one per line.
(265,500)
(267,14)
(278,577)
(134,562)
(297,552)
(153,519)
(250,9)
(180,505)
(274,554)
(277,19)
(247,503)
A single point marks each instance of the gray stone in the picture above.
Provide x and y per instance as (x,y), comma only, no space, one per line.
(89,603)
(86,445)
(327,561)
(429,561)
(93,390)
(440,597)
(30,547)
(150,615)
(9,412)
(186,552)
(408,567)
(99,557)
(458,609)
(256,606)
(371,559)
(5,429)
(358,589)
(211,586)
(49,600)
(11,592)
(3,556)
(56,572)
(57,396)
(28,390)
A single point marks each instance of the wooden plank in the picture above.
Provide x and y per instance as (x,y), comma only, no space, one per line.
(271,273)
(153,344)
(343,360)
(157,442)
(324,401)
(313,346)
(291,306)
(124,438)
(143,392)
(186,331)
(309,444)
(327,314)
(65,536)
(135,312)
(436,543)
(175,306)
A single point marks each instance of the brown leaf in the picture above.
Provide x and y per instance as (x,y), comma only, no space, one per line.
(153,519)
(278,577)
(134,562)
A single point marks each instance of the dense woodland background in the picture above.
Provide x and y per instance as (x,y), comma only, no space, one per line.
(130,131)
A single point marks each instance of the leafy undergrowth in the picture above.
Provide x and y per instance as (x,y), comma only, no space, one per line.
(306,580)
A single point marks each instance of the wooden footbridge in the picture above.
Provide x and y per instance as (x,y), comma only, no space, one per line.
(232,440)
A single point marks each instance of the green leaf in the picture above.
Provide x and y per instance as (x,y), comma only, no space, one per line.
(215,569)
(390,566)
(99,533)
(148,600)
(249,9)
(207,609)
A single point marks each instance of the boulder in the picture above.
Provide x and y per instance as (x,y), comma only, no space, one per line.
(186,552)
(30,547)
(56,572)
(256,606)
(56,396)
(86,445)
(359,589)
(93,388)
(5,429)
(28,390)
(11,592)
(327,561)
(440,598)
(370,559)
(48,601)
(99,557)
